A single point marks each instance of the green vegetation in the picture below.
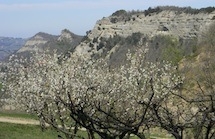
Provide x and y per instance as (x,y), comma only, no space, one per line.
(0,86)
(172,113)
(125,43)
(172,52)
(120,13)
(16,131)
(113,41)
(16,114)
(172,49)
(152,10)
(187,10)
(134,38)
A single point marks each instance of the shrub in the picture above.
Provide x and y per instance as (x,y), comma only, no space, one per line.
(134,38)
(120,13)
(152,10)
(100,46)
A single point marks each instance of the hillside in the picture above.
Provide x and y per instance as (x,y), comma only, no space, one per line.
(9,45)
(158,31)
(40,42)
(166,81)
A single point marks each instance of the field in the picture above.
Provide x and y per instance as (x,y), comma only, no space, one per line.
(19,131)
(29,131)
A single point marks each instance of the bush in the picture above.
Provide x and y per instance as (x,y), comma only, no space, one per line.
(173,54)
(152,10)
(134,38)
(100,46)
(120,13)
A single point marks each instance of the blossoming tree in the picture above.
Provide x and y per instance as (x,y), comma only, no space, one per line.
(75,93)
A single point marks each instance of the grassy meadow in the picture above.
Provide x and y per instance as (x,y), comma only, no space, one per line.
(18,131)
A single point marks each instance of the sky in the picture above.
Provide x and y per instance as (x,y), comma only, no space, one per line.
(25,18)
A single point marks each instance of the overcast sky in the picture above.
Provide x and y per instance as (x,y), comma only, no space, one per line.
(25,18)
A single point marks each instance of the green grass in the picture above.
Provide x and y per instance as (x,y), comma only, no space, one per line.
(16,114)
(16,131)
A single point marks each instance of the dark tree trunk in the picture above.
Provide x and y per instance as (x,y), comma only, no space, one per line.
(208,130)
(178,135)
(90,134)
(141,136)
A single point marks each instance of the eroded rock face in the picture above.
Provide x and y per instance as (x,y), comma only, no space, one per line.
(66,35)
(37,42)
(171,22)
(42,41)
(168,22)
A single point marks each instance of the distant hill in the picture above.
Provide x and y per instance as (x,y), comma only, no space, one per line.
(40,42)
(166,33)
(9,45)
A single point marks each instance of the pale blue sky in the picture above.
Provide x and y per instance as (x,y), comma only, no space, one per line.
(25,18)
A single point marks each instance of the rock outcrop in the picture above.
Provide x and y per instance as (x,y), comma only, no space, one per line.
(37,42)
(169,22)
(180,24)
(42,41)
(66,35)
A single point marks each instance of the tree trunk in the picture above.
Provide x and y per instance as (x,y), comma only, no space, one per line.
(208,130)
(90,134)
(177,136)
(141,136)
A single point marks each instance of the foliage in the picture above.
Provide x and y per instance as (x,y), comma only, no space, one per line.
(110,42)
(205,87)
(85,38)
(79,92)
(152,10)
(0,86)
(208,37)
(167,48)
(120,13)
(134,38)
(199,89)
(16,131)
(173,54)
(187,10)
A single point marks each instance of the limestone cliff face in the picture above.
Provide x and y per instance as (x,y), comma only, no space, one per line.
(37,42)
(42,41)
(66,35)
(168,22)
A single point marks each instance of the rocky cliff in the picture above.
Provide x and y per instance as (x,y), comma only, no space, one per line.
(181,23)
(166,22)
(66,41)
(37,42)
